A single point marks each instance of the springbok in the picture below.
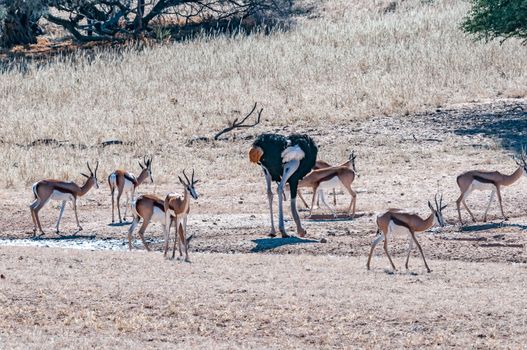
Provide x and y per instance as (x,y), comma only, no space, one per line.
(488,180)
(126,182)
(395,221)
(65,191)
(320,164)
(150,208)
(177,207)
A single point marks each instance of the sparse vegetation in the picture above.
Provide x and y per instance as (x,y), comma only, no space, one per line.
(397,81)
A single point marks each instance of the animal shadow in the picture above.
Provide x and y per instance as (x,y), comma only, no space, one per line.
(264,244)
(329,217)
(63,238)
(119,224)
(490,226)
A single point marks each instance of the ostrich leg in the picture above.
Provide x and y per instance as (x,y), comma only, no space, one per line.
(289,169)
(299,229)
(270,198)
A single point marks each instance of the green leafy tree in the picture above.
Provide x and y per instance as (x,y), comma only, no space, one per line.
(492,19)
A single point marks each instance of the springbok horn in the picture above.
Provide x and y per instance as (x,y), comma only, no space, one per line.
(186,177)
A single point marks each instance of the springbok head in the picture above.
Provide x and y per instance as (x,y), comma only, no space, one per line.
(189,184)
(147,166)
(438,210)
(93,174)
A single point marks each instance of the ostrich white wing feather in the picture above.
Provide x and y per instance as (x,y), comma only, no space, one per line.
(292,153)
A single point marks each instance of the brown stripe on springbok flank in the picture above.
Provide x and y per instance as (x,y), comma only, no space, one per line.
(130,178)
(328,177)
(63,189)
(399,222)
(483,180)
(255,154)
(160,205)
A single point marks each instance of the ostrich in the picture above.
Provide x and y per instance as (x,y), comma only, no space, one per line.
(284,160)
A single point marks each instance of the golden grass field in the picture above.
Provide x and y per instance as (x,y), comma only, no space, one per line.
(418,100)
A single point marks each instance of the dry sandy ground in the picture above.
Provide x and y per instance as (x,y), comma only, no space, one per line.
(246,290)
(54,298)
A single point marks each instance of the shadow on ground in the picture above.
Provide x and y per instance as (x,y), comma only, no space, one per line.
(265,244)
(63,238)
(507,124)
(491,226)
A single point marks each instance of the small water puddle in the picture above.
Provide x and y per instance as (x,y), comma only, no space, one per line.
(73,242)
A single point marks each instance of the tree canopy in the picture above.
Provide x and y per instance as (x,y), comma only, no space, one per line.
(93,20)
(493,19)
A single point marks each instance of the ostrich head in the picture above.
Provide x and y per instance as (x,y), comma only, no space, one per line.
(255,154)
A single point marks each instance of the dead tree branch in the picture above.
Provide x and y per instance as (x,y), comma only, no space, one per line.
(238,125)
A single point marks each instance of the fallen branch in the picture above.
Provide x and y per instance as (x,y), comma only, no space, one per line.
(235,124)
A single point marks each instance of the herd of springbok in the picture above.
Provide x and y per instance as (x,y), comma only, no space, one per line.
(291,162)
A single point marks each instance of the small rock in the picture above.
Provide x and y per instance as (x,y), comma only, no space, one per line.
(323,240)
(2,277)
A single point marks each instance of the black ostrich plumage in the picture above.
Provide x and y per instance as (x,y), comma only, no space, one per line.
(274,144)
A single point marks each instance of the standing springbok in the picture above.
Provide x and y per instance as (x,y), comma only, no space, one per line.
(320,164)
(395,221)
(65,191)
(488,180)
(150,208)
(177,207)
(126,182)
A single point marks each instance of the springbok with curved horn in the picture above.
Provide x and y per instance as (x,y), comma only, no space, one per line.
(395,221)
(488,180)
(177,207)
(126,182)
(65,191)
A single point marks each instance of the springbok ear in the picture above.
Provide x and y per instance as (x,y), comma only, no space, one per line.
(141,165)
(181,180)
(430,205)
(86,176)
(195,182)
(444,206)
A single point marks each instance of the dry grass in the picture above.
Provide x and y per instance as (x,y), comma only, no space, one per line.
(139,300)
(345,63)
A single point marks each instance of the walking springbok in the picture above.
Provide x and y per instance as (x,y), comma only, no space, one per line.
(320,164)
(127,183)
(488,180)
(395,221)
(150,208)
(177,207)
(65,191)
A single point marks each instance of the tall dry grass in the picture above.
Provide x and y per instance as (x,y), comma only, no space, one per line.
(344,62)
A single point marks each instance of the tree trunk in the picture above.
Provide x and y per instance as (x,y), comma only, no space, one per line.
(17,30)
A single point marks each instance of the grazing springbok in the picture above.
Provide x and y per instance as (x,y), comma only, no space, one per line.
(284,160)
(65,191)
(488,180)
(177,207)
(150,208)
(350,164)
(395,221)
(127,183)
